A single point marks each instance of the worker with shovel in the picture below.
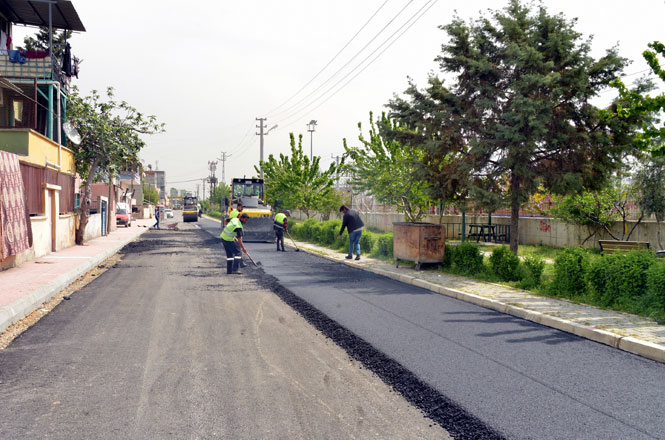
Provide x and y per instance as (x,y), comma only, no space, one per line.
(232,240)
(280,226)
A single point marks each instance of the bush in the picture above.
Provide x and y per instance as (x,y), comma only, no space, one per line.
(505,264)
(533,273)
(570,270)
(656,281)
(449,255)
(467,258)
(295,230)
(326,232)
(620,279)
(384,245)
(367,241)
(308,226)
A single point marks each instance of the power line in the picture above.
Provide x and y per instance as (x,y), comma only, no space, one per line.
(330,62)
(291,107)
(410,22)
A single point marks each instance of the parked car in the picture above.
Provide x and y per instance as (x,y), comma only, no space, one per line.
(123,217)
(169,213)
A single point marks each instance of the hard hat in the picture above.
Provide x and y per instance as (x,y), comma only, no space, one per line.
(287,212)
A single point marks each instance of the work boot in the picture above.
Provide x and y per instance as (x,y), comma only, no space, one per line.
(348,257)
(357,257)
(242,264)
(237,272)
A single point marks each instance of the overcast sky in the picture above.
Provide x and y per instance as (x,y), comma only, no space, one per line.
(208,68)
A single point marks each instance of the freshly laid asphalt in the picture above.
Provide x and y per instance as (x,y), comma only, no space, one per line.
(521,379)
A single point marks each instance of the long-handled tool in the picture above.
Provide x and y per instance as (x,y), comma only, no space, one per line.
(252,260)
(294,242)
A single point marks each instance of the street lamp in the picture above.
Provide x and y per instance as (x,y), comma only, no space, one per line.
(311,127)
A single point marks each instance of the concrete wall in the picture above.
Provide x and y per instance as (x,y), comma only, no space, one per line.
(94,227)
(532,230)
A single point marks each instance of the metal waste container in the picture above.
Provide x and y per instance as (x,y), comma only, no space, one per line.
(419,242)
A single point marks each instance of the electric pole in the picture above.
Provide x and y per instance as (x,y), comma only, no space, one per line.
(311,126)
(212,165)
(261,126)
(225,156)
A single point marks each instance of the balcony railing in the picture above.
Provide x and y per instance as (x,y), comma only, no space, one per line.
(40,68)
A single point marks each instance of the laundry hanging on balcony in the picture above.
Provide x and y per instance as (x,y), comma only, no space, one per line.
(67,60)
(15,232)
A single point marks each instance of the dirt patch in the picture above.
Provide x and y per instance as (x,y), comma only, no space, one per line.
(452,417)
(19,327)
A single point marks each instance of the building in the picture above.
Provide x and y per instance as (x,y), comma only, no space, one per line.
(158,180)
(34,89)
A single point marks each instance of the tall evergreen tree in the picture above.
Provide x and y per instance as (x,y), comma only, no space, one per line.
(41,40)
(518,114)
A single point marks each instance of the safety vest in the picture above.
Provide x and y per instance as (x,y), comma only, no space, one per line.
(279,218)
(228,234)
(235,213)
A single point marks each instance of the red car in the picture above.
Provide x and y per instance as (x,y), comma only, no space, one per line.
(123,217)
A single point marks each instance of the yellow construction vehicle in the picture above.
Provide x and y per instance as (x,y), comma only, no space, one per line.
(250,193)
(190,209)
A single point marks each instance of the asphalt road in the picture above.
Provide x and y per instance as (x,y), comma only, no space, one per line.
(519,378)
(165,345)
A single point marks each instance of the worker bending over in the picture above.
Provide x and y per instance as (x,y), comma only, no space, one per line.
(232,239)
(235,212)
(280,226)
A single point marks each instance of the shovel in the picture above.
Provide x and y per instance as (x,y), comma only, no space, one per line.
(294,242)
(252,260)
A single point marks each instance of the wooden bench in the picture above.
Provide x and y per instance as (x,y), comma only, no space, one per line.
(611,246)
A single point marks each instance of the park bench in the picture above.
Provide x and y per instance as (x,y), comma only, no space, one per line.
(611,246)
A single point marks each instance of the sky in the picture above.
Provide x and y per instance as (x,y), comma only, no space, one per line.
(209,68)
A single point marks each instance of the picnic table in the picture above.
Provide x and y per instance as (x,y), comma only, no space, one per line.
(484,230)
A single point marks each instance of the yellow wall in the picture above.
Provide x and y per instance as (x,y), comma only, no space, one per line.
(35,148)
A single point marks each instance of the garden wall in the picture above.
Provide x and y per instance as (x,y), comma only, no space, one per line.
(533,230)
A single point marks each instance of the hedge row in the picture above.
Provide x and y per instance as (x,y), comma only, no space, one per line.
(633,282)
(628,281)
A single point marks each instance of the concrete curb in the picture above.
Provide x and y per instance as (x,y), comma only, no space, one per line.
(27,304)
(626,343)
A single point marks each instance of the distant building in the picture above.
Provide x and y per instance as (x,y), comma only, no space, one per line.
(158,179)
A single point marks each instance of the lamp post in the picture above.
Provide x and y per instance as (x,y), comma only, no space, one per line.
(311,126)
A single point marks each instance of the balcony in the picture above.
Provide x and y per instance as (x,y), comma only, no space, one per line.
(41,69)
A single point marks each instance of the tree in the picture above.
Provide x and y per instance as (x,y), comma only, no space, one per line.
(387,169)
(221,192)
(637,102)
(650,181)
(150,195)
(598,210)
(297,182)
(518,109)
(41,41)
(110,140)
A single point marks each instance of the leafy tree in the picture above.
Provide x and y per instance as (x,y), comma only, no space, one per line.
(150,195)
(110,140)
(638,103)
(41,39)
(330,204)
(650,181)
(221,192)
(296,181)
(387,169)
(598,210)
(518,109)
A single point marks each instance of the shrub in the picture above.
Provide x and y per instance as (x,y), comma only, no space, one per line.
(505,264)
(295,230)
(367,241)
(384,245)
(620,278)
(534,267)
(570,269)
(326,232)
(656,281)
(468,258)
(308,229)
(449,255)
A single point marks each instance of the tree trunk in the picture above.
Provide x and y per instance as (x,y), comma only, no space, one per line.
(110,204)
(660,245)
(514,213)
(85,204)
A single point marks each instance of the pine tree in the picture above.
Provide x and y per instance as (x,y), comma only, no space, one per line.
(518,115)
(41,40)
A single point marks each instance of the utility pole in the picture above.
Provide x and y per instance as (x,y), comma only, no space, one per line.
(212,165)
(261,127)
(197,190)
(311,126)
(225,156)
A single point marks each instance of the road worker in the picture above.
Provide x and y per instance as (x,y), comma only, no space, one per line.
(236,212)
(280,226)
(232,240)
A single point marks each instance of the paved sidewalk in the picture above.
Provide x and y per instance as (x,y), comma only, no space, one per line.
(627,332)
(24,288)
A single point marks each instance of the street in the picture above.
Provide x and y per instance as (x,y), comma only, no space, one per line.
(519,378)
(164,345)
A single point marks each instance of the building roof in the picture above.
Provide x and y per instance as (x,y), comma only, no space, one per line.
(35,13)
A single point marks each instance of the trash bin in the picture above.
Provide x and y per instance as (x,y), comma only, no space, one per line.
(419,242)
